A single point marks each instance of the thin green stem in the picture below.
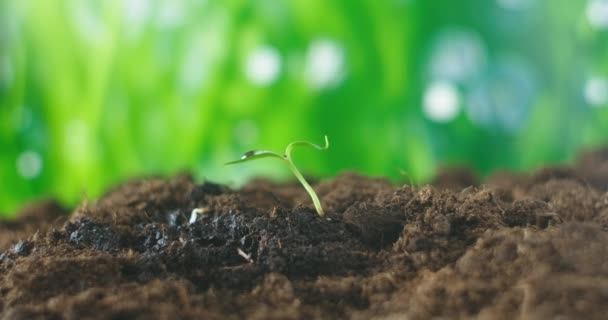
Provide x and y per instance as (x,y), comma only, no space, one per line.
(309,189)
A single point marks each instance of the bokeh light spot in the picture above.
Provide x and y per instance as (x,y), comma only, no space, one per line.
(88,20)
(596,91)
(514,4)
(29,164)
(136,15)
(502,98)
(597,13)
(324,64)
(171,13)
(263,66)
(441,101)
(457,56)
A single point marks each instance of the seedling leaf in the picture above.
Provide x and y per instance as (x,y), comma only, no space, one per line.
(255,154)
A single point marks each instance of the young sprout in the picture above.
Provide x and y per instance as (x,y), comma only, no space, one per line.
(256,154)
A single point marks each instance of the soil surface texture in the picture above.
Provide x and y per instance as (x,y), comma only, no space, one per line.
(519,246)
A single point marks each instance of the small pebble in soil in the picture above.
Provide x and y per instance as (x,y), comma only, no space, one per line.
(175,218)
(23,248)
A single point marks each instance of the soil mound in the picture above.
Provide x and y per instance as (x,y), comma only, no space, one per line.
(520,246)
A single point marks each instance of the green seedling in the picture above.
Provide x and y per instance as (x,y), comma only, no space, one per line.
(257,154)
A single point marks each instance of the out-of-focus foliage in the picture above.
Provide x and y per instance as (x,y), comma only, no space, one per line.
(95,92)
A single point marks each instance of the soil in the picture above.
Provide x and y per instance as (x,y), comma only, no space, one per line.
(517,247)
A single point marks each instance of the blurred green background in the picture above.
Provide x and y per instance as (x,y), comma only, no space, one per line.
(95,92)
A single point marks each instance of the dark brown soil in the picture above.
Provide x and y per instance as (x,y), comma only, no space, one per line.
(518,247)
